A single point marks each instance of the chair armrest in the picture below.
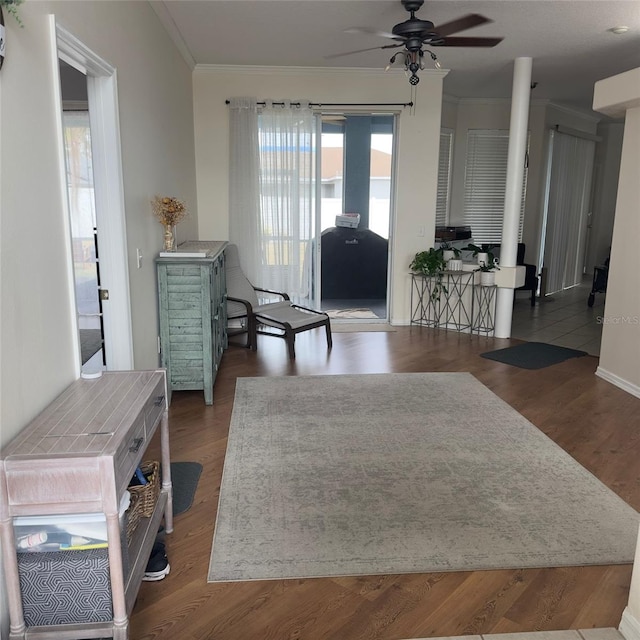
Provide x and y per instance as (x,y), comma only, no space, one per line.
(297,306)
(530,270)
(246,303)
(284,296)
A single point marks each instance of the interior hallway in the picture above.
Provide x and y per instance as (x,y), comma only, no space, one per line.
(562,319)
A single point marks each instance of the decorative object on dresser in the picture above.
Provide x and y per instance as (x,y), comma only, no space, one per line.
(193,320)
(69,470)
(168,211)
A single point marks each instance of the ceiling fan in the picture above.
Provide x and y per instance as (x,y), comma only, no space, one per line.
(413,33)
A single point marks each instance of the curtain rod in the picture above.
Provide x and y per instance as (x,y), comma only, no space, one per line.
(341,104)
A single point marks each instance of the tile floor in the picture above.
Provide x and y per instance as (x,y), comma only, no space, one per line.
(608,633)
(562,319)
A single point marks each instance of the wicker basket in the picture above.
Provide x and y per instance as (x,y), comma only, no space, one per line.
(146,495)
(132,515)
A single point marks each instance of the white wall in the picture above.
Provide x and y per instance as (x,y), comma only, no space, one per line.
(156,118)
(418,129)
(620,347)
(156,122)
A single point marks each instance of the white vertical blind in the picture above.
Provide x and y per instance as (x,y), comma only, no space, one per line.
(444,177)
(567,208)
(485,183)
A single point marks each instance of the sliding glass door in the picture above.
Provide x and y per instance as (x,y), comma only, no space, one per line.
(356,172)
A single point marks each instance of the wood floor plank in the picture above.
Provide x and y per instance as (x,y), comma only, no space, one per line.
(595,422)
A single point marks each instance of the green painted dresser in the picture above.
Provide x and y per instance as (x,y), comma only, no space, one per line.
(192,294)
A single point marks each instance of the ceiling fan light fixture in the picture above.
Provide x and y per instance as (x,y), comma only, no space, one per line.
(436,62)
(413,62)
(413,34)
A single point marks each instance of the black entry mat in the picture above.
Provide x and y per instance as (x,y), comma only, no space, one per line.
(184,476)
(533,355)
(90,343)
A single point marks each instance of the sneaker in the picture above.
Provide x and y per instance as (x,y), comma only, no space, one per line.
(158,566)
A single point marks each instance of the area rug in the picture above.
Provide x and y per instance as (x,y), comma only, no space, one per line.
(533,355)
(401,473)
(184,477)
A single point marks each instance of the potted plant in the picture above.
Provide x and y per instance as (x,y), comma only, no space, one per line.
(487,274)
(449,252)
(483,253)
(431,263)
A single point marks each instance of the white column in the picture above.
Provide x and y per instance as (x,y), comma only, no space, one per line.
(515,171)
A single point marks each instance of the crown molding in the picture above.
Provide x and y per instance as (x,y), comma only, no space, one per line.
(160,9)
(307,71)
(589,117)
(540,102)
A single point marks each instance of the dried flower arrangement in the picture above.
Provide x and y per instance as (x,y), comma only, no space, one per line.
(169,211)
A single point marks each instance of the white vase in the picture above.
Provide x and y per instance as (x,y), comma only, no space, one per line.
(454,265)
(487,278)
(483,258)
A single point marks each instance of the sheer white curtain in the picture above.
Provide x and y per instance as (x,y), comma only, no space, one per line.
(272,193)
(244,184)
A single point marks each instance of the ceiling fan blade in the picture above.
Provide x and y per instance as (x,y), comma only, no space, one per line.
(349,53)
(371,32)
(466,22)
(469,42)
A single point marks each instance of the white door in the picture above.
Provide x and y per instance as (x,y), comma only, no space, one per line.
(108,193)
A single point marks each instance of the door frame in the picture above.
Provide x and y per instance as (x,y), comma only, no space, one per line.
(109,196)
(317,253)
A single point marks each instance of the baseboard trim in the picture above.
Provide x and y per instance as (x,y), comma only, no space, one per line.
(619,382)
(629,626)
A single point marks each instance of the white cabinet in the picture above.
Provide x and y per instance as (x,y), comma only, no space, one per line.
(77,457)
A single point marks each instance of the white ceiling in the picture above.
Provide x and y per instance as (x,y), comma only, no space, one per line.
(568,40)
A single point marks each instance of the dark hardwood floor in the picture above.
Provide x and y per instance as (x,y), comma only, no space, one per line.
(592,420)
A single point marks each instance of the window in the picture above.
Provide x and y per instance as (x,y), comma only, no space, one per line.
(444,177)
(485,183)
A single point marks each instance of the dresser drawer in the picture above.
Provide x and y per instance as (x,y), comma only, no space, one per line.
(130,452)
(154,408)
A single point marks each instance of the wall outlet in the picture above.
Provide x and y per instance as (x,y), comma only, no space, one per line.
(139,258)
